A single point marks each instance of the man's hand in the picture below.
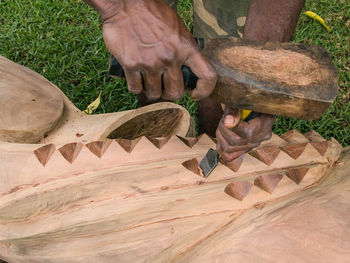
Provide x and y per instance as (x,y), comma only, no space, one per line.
(152,43)
(236,137)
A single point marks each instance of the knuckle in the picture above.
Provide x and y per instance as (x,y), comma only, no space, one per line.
(232,141)
(153,95)
(131,65)
(134,89)
(168,53)
(152,65)
(168,58)
(223,148)
(267,136)
(226,148)
(210,75)
(250,134)
(239,141)
(256,145)
(228,157)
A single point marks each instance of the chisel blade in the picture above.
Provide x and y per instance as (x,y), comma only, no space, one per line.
(209,162)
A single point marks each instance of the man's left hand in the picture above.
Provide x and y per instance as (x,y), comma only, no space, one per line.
(236,137)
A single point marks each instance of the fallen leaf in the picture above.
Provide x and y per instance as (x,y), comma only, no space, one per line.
(317,18)
(94,105)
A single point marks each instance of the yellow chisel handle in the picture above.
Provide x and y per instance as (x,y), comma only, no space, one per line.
(245,114)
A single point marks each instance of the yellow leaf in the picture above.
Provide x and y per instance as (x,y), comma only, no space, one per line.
(94,105)
(317,18)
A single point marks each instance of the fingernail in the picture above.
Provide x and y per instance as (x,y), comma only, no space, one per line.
(229,120)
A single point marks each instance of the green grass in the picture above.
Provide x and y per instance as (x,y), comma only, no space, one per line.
(62,40)
(336,122)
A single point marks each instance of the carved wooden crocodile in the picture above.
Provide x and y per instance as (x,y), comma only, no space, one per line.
(92,191)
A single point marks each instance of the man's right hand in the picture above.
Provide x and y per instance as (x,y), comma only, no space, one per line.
(236,137)
(152,43)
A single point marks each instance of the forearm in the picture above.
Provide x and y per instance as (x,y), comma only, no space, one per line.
(106,8)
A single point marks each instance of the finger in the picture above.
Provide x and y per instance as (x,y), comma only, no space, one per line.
(228,157)
(255,129)
(231,117)
(265,123)
(231,136)
(134,80)
(246,130)
(206,74)
(229,153)
(228,148)
(173,84)
(153,85)
(266,119)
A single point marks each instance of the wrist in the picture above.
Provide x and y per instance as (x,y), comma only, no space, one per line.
(106,8)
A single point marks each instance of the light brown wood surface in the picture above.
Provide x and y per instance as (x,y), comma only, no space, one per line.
(139,206)
(30,106)
(91,198)
(34,110)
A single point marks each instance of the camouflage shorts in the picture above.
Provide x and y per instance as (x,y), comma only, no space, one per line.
(217,18)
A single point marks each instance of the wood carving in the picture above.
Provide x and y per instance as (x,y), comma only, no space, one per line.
(267,155)
(297,175)
(239,190)
(268,182)
(113,195)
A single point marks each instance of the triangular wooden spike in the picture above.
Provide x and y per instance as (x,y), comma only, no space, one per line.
(239,189)
(193,166)
(314,136)
(71,151)
(294,150)
(44,153)
(235,164)
(189,141)
(128,145)
(275,140)
(99,147)
(321,147)
(335,142)
(268,182)
(267,155)
(297,175)
(293,136)
(159,142)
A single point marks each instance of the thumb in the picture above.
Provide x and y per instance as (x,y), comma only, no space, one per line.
(231,117)
(206,74)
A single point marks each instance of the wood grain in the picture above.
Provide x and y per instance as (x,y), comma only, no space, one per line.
(30,105)
(112,207)
(87,198)
(263,76)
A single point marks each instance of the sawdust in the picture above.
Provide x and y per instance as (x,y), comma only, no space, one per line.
(282,66)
